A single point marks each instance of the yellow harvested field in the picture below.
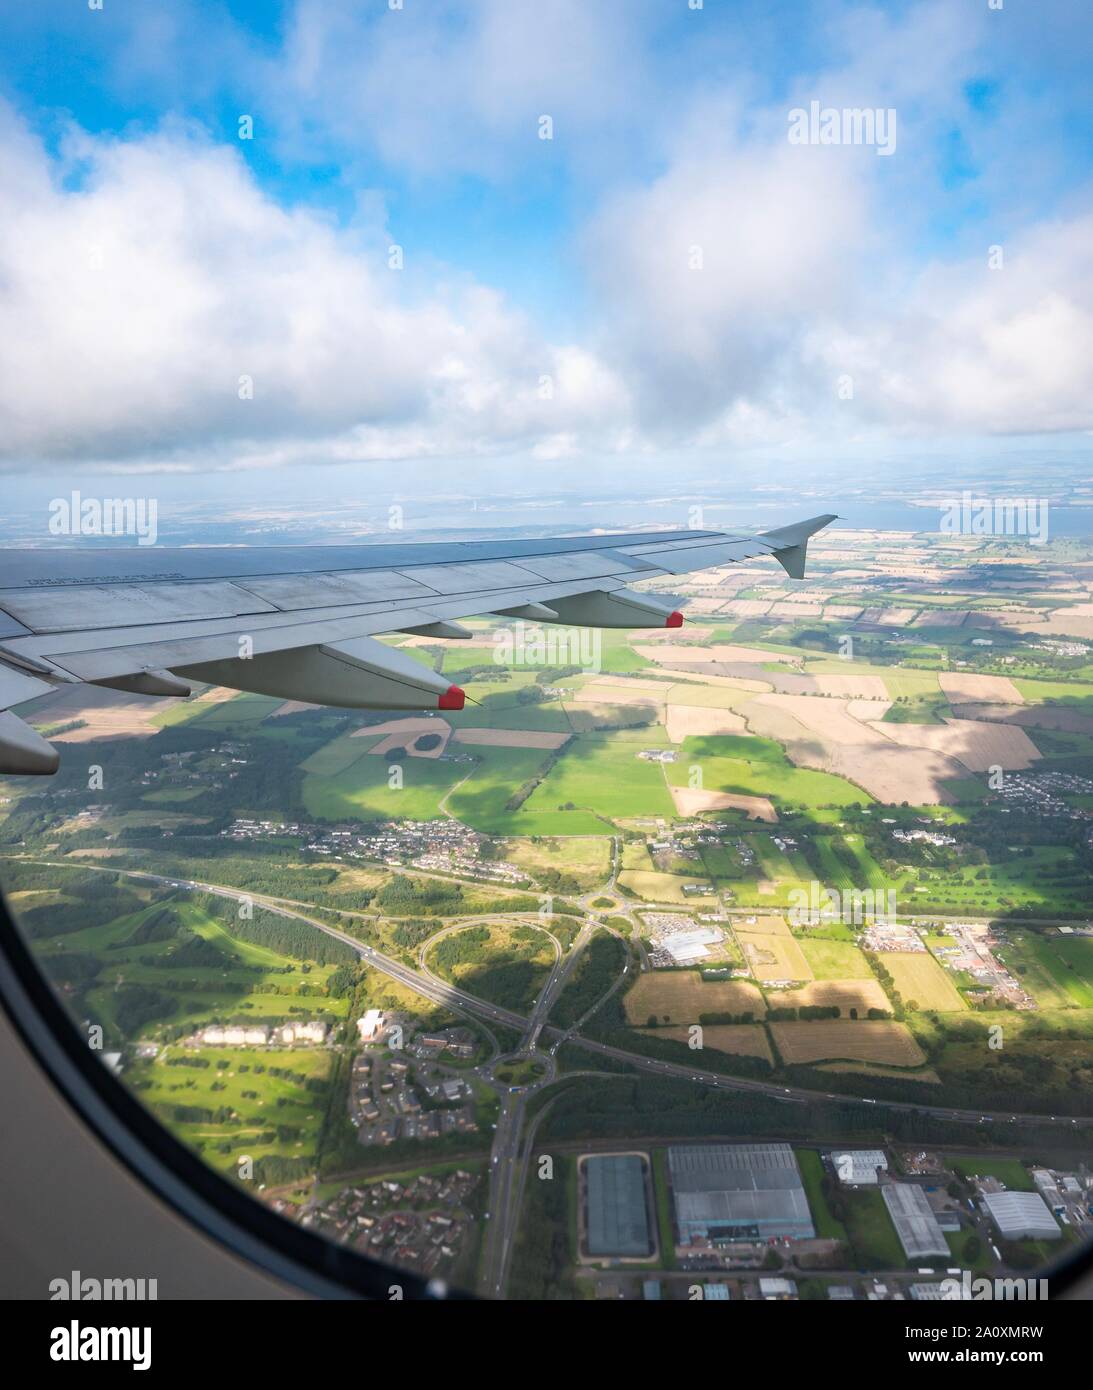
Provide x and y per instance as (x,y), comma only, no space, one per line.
(738,1040)
(216,694)
(511,738)
(690,801)
(965,685)
(785,609)
(640,684)
(1067,624)
(919,977)
(868,710)
(890,1044)
(845,995)
(979,746)
(746,608)
(700,721)
(852,687)
(895,617)
(401,733)
(693,684)
(681,996)
(822,734)
(106,714)
(774,957)
(1069,720)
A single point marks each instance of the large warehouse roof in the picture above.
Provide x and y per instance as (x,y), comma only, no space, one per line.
(1021,1215)
(725,1189)
(618,1219)
(915,1223)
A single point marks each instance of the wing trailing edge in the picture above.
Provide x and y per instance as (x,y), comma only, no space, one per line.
(145,623)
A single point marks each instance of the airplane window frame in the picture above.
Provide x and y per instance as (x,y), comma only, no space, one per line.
(176,1175)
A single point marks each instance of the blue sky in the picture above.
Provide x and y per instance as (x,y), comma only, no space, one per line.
(668,277)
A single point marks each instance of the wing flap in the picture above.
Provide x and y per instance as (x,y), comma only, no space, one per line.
(281,614)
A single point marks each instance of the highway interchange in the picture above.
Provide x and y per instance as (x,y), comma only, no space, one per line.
(512,1145)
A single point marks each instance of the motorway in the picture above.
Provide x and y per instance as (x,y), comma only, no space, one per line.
(507,1173)
(442,993)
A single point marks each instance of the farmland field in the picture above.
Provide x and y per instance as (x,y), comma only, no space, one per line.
(889,1043)
(834,960)
(758,767)
(774,957)
(737,1040)
(363,791)
(919,978)
(844,995)
(603,774)
(682,996)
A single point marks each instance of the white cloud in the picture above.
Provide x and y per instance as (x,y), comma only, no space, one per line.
(1000,351)
(143,279)
(752,284)
(443,88)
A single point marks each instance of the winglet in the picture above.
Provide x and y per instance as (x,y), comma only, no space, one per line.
(790,543)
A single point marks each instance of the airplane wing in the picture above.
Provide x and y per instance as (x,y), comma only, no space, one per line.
(299,622)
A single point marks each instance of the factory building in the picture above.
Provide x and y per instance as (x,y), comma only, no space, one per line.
(859,1167)
(726,1192)
(915,1223)
(617,1211)
(1021,1216)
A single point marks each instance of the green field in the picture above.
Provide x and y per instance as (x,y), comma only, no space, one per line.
(870,1231)
(1008,1171)
(834,960)
(601,774)
(243,982)
(1044,878)
(1057,970)
(362,791)
(480,800)
(1057,692)
(251,1111)
(828,1227)
(759,767)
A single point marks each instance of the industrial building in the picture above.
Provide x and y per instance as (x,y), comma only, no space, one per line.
(778,1289)
(725,1192)
(943,1292)
(617,1210)
(915,1223)
(1021,1216)
(686,947)
(859,1167)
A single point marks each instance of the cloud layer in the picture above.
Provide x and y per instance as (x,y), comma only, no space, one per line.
(161,305)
